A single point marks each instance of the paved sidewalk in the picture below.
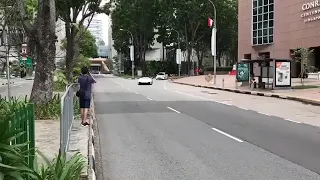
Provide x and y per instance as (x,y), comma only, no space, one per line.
(227,83)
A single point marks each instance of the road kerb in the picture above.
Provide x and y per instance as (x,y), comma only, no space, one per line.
(293,98)
(91,153)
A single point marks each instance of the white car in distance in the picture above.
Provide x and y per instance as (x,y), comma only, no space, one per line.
(161,76)
(145,80)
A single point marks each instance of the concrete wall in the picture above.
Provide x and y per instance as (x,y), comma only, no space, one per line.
(294,27)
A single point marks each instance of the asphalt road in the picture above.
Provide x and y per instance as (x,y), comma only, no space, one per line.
(19,88)
(153,132)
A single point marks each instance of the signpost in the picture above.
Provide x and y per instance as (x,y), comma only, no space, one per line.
(132,60)
(178,59)
(242,72)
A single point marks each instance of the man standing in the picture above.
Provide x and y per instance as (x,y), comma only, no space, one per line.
(85,80)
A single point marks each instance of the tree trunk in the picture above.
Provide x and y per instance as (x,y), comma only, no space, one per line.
(42,89)
(70,53)
(189,50)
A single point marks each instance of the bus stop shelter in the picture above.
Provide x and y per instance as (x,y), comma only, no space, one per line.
(265,73)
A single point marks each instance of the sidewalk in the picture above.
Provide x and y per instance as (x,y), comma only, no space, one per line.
(227,83)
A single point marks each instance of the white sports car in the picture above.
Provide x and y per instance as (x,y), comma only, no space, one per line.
(145,80)
(162,76)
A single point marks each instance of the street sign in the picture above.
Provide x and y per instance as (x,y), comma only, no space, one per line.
(178,56)
(242,72)
(213,42)
(132,53)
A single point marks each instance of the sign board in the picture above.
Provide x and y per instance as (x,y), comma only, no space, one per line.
(139,73)
(132,53)
(282,74)
(213,42)
(27,62)
(178,56)
(243,72)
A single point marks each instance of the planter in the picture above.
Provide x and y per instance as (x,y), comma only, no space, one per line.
(314,75)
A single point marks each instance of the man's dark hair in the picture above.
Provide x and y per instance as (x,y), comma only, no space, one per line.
(84,70)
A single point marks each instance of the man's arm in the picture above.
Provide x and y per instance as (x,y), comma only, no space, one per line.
(92,78)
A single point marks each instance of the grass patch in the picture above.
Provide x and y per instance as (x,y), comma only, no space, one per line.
(305,87)
(50,110)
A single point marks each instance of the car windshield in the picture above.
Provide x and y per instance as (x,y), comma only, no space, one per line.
(161,73)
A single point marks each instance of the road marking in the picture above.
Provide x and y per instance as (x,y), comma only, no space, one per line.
(292,121)
(150,99)
(243,108)
(264,113)
(173,110)
(136,92)
(228,135)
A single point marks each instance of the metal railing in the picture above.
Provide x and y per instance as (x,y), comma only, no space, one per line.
(67,116)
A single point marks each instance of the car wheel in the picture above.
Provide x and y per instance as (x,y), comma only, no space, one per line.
(139,83)
(151,83)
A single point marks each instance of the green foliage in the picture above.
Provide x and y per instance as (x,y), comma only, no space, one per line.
(87,45)
(60,168)
(302,55)
(12,157)
(139,17)
(82,61)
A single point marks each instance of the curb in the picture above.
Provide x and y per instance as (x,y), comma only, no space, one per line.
(293,98)
(91,151)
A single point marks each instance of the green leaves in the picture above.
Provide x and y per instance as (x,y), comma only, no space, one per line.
(60,168)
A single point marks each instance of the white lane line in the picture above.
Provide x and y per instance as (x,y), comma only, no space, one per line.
(150,99)
(228,135)
(264,113)
(292,121)
(243,108)
(136,92)
(173,110)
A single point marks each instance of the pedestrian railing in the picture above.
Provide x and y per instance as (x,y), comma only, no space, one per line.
(67,116)
(23,119)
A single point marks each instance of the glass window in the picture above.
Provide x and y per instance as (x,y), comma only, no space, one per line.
(255,4)
(265,32)
(255,26)
(271,31)
(263,22)
(254,34)
(265,39)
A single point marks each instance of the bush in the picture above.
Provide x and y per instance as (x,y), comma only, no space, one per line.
(219,69)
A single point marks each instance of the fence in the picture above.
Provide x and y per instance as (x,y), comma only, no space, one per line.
(23,118)
(67,116)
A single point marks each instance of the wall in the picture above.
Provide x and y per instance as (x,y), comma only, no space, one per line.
(290,29)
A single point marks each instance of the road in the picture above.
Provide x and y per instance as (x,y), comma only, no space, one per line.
(166,131)
(19,88)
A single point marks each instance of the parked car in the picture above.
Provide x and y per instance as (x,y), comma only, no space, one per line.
(161,76)
(145,80)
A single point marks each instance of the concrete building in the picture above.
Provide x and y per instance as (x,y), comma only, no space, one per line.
(273,29)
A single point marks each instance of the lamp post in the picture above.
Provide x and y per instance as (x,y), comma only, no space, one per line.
(131,52)
(214,43)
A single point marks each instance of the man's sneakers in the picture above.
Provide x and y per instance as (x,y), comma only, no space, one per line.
(85,124)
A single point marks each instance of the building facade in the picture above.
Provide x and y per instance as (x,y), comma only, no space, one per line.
(273,29)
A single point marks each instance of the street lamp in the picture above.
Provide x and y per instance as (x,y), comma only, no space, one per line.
(215,44)
(131,52)
(178,53)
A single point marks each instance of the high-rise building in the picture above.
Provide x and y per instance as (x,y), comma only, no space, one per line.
(96,29)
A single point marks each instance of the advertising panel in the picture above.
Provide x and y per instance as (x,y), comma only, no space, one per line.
(283,74)
(242,72)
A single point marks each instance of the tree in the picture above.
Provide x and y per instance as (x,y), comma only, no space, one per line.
(139,17)
(87,44)
(189,18)
(302,56)
(41,35)
(70,12)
